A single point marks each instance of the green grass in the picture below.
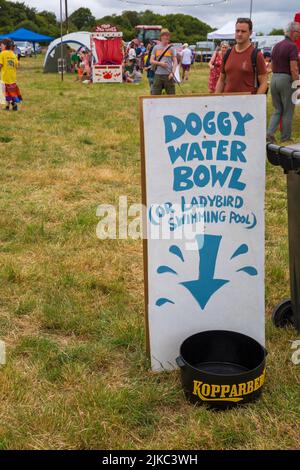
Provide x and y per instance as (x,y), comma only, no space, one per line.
(72,305)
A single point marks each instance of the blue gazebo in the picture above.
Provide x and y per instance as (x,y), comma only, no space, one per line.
(23,34)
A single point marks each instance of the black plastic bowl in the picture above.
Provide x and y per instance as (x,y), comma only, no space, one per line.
(222,368)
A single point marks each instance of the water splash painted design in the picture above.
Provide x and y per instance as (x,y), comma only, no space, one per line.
(166,269)
(206,285)
(175,250)
(161,302)
(242,250)
(248,270)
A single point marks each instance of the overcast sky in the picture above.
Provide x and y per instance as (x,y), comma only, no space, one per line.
(267,14)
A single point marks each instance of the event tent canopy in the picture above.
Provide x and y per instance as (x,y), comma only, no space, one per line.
(77,41)
(23,34)
(268,41)
(226,32)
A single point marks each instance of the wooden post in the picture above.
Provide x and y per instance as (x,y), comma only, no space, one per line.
(61,42)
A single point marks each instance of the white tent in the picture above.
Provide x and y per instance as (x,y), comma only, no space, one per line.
(268,41)
(78,40)
(226,32)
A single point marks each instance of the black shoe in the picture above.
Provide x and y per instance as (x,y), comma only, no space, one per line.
(7,108)
(15,107)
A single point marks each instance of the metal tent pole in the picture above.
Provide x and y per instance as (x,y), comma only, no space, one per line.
(67,16)
(61,42)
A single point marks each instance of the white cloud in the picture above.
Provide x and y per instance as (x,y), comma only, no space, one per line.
(267,15)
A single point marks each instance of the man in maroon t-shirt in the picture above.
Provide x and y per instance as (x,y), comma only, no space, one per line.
(285,66)
(238,74)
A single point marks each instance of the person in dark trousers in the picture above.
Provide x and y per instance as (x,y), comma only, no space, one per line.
(243,69)
(148,67)
(285,66)
(163,58)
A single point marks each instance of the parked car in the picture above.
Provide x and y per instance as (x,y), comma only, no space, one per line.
(205,50)
(25,47)
(36,48)
(203,56)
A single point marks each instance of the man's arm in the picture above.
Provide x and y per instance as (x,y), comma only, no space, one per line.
(221,83)
(294,70)
(153,61)
(157,62)
(263,84)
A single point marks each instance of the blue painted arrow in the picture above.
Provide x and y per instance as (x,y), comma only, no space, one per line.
(206,286)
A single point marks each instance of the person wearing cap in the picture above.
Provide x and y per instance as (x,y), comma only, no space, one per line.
(186,61)
(285,66)
(164,61)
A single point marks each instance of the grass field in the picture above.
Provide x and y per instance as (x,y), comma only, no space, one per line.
(72,306)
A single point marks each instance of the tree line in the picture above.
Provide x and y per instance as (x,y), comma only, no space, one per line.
(183,27)
(19,15)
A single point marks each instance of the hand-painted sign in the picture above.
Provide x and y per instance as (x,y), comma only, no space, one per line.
(106,28)
(203,185)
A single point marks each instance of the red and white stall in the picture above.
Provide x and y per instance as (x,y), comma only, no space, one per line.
(107,48)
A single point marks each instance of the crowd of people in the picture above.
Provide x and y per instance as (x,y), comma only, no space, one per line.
(237,68)
(242,68)
(81,64)
(133,62)
(139,58)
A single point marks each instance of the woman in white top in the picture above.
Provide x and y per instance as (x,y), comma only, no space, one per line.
(132,52)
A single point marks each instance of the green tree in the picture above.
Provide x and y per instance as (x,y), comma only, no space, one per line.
(15,15)
(45,26)
(28,24)
(132,17)
(83,19)
(183,27)
(18,14)
(276,32)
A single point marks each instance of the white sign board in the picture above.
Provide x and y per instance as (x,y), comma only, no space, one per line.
(203,184)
